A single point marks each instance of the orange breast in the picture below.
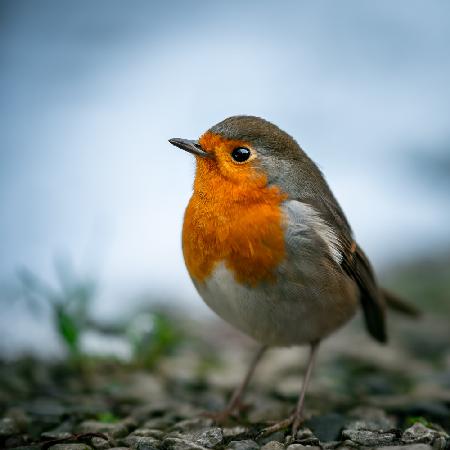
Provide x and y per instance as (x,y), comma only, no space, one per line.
(240,224)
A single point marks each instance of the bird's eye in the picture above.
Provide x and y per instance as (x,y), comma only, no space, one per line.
(241,154)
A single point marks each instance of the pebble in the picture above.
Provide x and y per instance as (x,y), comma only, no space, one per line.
(70,447)
(141,442)
(273,445)
(368,438)
(246,444)
(419,433)
(56,435)
(441,443)
(175,443)
(8,427)
(115,430)
(100,443)
(302,447)
(375,419)
(208,438)
(153,416)
(406,447)
(331,445)
(148,432)
(233,432)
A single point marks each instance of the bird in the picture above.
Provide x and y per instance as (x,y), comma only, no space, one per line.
(270,250)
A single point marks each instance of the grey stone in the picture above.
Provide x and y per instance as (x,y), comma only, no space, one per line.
(56,435)
(358,425)
(99,443)
(330,445)
(59,431)
(419,433)
(247,444)
(115,430)
(273,445)
(375,418)
(304,437)
(304,433)
(176,443)
(369,438)
(374,427)
(8,427)
(302,447)
(234,432)
(70,447)
(406,447)
(208,438)
(310,442)
(19,416)
(130,422)
(148,432)
(441,443)
(348,444)
(141,442)
(205,438)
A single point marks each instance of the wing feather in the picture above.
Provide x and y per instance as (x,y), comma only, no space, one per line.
(357,266)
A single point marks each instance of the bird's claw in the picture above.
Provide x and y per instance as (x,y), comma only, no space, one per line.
(293,420)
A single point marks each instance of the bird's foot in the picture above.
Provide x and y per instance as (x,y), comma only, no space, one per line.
(293,420)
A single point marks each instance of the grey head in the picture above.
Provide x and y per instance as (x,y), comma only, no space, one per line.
(279,156)
(285,163)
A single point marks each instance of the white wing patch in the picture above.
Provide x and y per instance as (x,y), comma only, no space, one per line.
(307,216)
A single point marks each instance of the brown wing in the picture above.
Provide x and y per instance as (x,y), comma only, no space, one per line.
(357,266)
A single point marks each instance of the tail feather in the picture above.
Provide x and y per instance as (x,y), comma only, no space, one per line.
(397,304)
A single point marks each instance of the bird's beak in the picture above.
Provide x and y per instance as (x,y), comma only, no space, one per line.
(191,147)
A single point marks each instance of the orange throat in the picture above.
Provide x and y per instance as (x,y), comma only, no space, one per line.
(238,224)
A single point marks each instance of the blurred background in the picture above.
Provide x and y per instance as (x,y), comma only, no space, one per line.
(101,330)
(92,195)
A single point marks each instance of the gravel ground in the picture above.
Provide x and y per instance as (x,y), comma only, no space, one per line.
(362,395)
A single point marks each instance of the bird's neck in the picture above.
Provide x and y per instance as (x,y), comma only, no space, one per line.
(211,186)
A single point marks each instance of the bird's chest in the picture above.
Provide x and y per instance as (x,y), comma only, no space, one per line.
(246,235)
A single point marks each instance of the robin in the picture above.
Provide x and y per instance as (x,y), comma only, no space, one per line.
(270,250)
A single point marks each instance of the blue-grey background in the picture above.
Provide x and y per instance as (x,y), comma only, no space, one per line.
(90,91)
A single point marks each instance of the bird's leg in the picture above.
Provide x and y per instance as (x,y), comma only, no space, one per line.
(298,414)
(296,418)
(235,399)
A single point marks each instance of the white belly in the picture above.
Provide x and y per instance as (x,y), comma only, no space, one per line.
(280,314)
